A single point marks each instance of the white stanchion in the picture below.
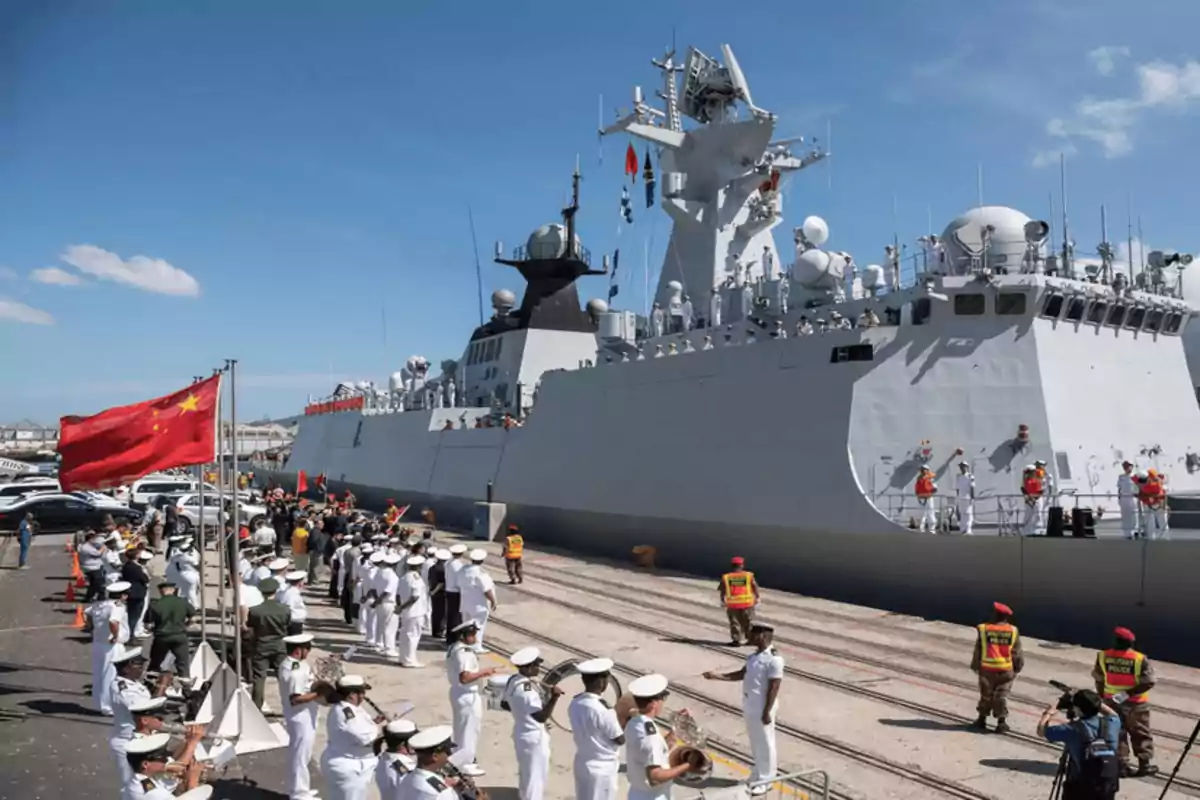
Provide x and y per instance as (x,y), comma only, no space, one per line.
(204,664)
(224,684)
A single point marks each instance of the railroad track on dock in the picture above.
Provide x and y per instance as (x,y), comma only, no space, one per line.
(807,675)
(891,667)
(945,786)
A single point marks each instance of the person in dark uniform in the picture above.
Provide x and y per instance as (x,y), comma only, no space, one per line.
(437,587)
(997,659)
(168,618)
(266,624)
(133,573)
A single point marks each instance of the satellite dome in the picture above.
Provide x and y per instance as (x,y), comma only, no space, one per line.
(364,385)
(815,231)
(872,277)
(963,238)
(503,299)
(549,241)
(816,269)
(396,382)
(675,286)
(596,307)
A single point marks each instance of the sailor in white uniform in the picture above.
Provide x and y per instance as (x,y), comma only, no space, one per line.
(370,612)
(761,678)
(187,575)
(129,692)
(148,759)
(385,609)
(414,600)
(531,740)
(648,765)
(1127,500)
(261,571)
(112,557)
(349,760)
(358,585)
(299,704)
(466,701)
(964,493)
(454,568)
(294,599)
(110,630)
(432,747)
(597,733)
(478,594)
(396,760)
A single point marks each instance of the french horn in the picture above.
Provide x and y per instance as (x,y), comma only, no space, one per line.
(690,741)
(569,669)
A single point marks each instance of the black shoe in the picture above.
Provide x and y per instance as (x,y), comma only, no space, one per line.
(1145,769)
(980,723)
(734,643)
(1002,727)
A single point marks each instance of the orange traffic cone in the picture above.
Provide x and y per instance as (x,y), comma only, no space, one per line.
(80,583)
(78,623)
(76,572)
(70,595)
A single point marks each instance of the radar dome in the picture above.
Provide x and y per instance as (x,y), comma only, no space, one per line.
(817,269)
(364,385)
(503,299)
(815,230)
(549,241)
(596,307)
(963,238)
(396,382)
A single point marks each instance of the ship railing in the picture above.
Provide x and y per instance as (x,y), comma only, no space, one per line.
(812,783)
(522,254)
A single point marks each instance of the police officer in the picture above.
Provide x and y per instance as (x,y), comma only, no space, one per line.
(298,699)
(396,760)
(514,547)
(997,659)
(964,494)
(128,692)
(739,593)
(530,713)
(266,624)
(761,678)
(466,702)
(414,600)
(646,754)
(432,747)
(1125,677)
(349,760)
(454,569)
(169,616)
(597,733)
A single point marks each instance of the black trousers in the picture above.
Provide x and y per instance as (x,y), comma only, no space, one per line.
(437,618)
(178,645)
(453,611)
(349,609)
(334,569)
(95,586)
(134,605)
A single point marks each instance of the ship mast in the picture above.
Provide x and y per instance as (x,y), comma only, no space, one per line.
(570,211)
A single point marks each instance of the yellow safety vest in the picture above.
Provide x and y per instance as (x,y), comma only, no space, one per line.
(739,589)
(513,544)
(1122,671)
(996,643)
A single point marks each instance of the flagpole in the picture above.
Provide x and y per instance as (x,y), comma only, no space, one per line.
(236,581)
(222,544)
(201,546)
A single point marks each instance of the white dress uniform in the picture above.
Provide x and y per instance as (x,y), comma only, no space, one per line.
(422,783)
(427,565)
(466,702)
(595,727)
(964,490)
(390,770)
(531,740)
(187,576)
(761,669)
(295,677)
(340,560)
(260,574)
(1127,502)
(140,787)
(126,693)
(366,618)
(412,619)
(294,599)
(644,748)
(104,672)
(474,584)
(244,568)
(388,622)
(348,762)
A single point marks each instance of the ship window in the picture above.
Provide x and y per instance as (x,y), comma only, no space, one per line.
(1154,320)
(1096,312)
(488,348)
(1064,466)
(970,305)
(1173,323)
(1116,315)
(473,355)
(853,352)
(1051,307)
(1137,315)
(1075,307)
(1010,304)
(921,310)
(499,346)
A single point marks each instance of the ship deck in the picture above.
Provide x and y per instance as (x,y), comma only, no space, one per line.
(880,702)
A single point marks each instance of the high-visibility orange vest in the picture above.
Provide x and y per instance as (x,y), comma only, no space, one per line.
(925,487)
(996,643)
(1033,486)
(739,589)
(513,545)
(1151,491)
(1122,671)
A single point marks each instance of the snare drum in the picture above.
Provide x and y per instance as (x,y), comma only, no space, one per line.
(493,692)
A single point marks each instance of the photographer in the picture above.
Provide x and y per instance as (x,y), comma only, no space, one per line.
(1090,769)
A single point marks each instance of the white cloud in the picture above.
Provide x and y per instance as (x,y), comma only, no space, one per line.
(1046,158)
(1104,59)
(13,311)
(142,272)
(1164,84)
(8,274)
(55,277)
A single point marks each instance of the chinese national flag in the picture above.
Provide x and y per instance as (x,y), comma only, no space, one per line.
(301,482)
(123,444)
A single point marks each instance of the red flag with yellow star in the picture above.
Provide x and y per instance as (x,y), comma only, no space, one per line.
(122,444)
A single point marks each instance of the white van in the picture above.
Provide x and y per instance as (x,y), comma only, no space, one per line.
(10,492)
(143,491)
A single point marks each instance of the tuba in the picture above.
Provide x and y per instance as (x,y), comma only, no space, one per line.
(561,672)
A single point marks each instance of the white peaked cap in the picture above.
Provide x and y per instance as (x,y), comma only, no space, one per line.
(648,686)
(377,557)
(146,706)
(299,638)
(457,549)
(430,738)
(296,575)
(148,744)
(145,555)
(595,666)
(400,726)
(525,656)
(462,626)
(391,558)
(278,564)
(442,555)
(116,587)
(128,654)
(351,682)
(415,561)
(366,548)
(478,554)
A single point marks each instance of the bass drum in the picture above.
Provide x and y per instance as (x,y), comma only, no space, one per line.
(566,676)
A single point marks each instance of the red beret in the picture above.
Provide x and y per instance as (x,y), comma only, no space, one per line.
(1003,609)
(1124,633)
(738,560)
(347,494)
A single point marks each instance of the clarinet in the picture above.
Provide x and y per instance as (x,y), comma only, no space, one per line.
(467,785)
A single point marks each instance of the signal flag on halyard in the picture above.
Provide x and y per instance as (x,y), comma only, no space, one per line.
(301,482)
(626,206)
(612,278)
(122,444)
(631,163)
(648,177)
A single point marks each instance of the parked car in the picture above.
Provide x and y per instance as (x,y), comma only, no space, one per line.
(20,488)
(189,512)
(143,492)
(64,513)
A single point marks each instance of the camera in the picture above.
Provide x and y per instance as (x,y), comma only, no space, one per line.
(1066,702)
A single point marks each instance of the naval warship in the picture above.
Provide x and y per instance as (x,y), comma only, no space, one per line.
(782,411)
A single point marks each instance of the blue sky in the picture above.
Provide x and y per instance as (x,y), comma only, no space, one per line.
(281,182)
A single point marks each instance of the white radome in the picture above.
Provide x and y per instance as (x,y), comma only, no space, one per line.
(396,381)
(815,230)
(596,307)
(549,241)
(964,236)
(817,269)
(503,299)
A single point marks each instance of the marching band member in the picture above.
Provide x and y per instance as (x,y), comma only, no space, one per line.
(148,758)
(110,629)
(396,760)
(466,702)
(128,692)
(414,598)
(298,698)
(349,760)
(386,619)
(454,569)
(478,594)
(531,740)
(598,735)
(647,755)
(432,747)
(371,597)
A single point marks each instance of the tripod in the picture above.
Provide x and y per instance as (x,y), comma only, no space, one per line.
(1060,776)
(1187,748)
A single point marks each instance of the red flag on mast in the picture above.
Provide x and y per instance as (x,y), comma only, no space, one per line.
(301,482)
(122,444)
(631,162)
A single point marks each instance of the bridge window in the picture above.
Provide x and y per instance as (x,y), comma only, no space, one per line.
(1137,315)
(921,309)
(1154,320)
(1116,315)
(1052,306)
(1010,304)
(1096,312)
(1173,322)
(970,305)
(499,346)
(853,352)
(1075,308)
